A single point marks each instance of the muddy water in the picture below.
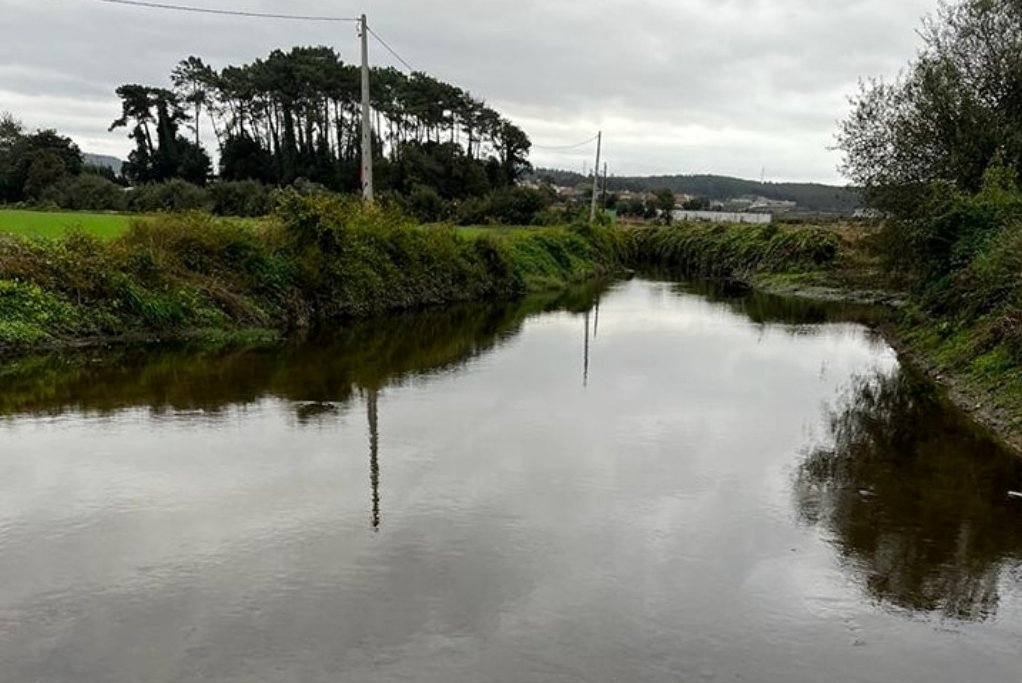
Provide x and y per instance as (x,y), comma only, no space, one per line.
(639,483)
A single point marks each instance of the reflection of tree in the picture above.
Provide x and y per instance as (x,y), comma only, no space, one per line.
(914,498)
(802,316)
(322,374)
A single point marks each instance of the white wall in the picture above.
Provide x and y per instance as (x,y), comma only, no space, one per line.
(723,217)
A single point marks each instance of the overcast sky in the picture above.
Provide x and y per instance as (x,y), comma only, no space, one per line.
(678,86)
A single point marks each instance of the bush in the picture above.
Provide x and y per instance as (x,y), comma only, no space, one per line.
(246,198)
(517,205)
(320,258)
(473,211)
(86,192)
(426,205)
(171,196)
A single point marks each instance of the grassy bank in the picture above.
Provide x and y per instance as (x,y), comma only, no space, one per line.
(735,252)
(835,263)
(319,259)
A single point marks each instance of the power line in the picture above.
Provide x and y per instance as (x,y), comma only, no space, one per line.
(225,12)
(560,147)
(390,49)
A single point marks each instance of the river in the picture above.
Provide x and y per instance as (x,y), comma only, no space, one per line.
(644,481)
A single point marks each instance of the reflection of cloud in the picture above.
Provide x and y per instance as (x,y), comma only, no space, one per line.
(913,498)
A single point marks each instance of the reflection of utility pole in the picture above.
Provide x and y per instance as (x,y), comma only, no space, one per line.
(585,366)
(372,405)
(596,176)
(596,323)
(367,124)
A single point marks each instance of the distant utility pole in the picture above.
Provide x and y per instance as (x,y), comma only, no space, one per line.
(367,124)
(596,175)
(604,192)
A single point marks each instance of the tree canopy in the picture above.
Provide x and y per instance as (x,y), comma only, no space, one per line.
(32,162)
(955,110)
(297,115)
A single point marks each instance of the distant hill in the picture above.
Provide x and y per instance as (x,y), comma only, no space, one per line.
(113,163)
(809,196)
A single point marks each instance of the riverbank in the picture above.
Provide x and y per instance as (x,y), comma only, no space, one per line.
(321,259)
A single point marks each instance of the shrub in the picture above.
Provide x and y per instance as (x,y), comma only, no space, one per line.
(517,205)
(427,205)
(246,198)
(86,192)
(171,196)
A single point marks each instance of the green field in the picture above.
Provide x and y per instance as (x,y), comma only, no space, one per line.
(53,224)
(479,230)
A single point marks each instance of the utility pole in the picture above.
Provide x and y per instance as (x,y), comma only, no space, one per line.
(596,175)
(367,124)
(604,192)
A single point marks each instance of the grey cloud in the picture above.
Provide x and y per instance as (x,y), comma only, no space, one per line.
(719,86)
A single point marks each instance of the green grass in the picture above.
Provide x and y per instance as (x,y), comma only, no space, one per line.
(480,230)
(51,225)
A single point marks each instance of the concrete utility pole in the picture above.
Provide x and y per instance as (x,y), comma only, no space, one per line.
(367,123)
(604,191)
(596,175)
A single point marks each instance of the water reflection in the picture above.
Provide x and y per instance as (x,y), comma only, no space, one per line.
(373,417)
(638,529)
(914,498)
(320,375)
(801,316)
(585,361)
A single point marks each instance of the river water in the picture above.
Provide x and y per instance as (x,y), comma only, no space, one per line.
(639,482)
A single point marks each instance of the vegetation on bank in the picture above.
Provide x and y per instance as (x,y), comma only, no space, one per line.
(734,252)
(320,258)
(938,151)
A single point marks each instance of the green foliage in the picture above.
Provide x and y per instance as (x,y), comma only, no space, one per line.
(949,117)
(86,192)
(735,251)
(30,163)
(664,203)
(29,314)
(240,198)
(161,153)
(288,117)
(518,205)
(426,204)
(323,257)
(171,196)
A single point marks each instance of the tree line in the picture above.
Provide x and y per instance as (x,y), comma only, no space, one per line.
(297,115)
(809,196)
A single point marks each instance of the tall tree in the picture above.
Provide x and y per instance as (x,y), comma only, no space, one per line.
(161,153)
(192,80)
(954,111)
